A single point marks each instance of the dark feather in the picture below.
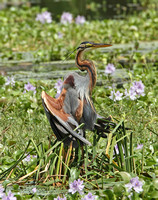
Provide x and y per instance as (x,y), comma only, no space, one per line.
(63,130)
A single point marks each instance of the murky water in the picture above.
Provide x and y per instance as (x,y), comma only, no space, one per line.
(25,69)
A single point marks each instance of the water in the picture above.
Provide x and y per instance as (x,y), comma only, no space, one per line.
(96,9)
(26,69)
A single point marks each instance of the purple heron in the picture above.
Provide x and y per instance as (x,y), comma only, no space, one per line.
(74,106)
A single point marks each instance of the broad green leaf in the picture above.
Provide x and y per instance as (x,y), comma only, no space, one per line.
(125,176)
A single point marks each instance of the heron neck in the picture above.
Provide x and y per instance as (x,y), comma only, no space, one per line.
(89,66)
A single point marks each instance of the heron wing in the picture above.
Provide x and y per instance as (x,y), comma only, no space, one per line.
(61,122)
(89,115)
(81,84)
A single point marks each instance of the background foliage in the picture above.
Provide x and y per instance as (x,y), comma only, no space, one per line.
(25,132)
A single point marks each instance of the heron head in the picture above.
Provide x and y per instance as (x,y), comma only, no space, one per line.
(92,45)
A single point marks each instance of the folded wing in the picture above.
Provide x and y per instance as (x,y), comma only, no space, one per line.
(63,123)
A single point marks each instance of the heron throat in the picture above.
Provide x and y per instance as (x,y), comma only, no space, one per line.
(87,65)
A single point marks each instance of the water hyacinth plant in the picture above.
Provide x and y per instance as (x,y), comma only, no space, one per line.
(1,191)
(89,196)
(60,198)
(34,190)
(44,17)
(10,81)
(139,146)
(66,18)
(9,196)
(76,186)
(60,35)
(116,96)
(29,87)
(80,19)
(136,90)
(134,185)
(128,150)
(58,86)
(76,191)
(110,68)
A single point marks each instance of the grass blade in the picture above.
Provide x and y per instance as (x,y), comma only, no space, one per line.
(59,159)
(67,160)
(112,149)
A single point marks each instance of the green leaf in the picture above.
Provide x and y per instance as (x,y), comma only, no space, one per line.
(154,194)
(15,186)
(125,176)
(118,189)
(2,80)
(5,183)
(109,193)
(74,174)
(155,183)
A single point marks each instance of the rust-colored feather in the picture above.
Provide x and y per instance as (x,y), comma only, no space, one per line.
(55,106)
(79,111)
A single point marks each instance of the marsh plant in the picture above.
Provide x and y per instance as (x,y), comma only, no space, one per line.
(120,164)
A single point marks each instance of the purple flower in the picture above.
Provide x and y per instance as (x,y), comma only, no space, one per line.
(132,93)
(66,17)
(59,198)
(116,96)
(76,186)
(139,146)
(58,86)
(80,19)
(109,69)
(10,196)
(136,90)
(60,35)
(117,150)
(29,87)
(130,195)
(27,159)
(44,17)
(34,190)
(139,88)
(112,96)
(1,191)
(10,81)
(135,184)
(89,196)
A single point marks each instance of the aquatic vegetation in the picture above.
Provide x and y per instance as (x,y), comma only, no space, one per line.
(116,96)
(58,87)
(66,17)
(89,196)
(110,68)
(9,196)
(29,87)
(34,190)
(76,186)
(10,81)
(80,19)
(136,90)
(139,146)
(44,17)
(121,164)
(44,43)
(134,185)
(1,191)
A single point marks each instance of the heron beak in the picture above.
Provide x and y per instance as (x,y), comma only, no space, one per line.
(99,45)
